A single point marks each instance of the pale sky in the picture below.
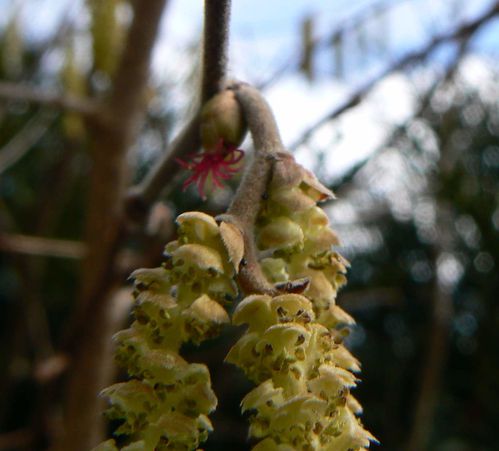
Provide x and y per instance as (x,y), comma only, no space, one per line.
(265,35)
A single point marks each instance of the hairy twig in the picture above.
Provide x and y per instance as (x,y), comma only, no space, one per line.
(268,145)
(42,96)
(246,203)
(215,46)
(459,33)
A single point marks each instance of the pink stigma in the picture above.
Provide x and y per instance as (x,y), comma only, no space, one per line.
(220,163)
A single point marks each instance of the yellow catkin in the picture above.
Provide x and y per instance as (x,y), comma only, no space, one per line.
(166,402)
(293,345)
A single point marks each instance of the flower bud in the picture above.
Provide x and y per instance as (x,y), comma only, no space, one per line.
(222,120)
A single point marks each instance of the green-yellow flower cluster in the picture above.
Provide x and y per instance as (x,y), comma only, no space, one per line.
(293,346)
(164,406)
(292,349)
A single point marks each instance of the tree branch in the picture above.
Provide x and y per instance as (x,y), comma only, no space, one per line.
(346,26)
(141,196)
(268,145)
(112,139)
(18,439)
(461,32)
(19,92)
(247,200)
(215,47)
(92,324)
(442,314)
(437,349)
(343,184)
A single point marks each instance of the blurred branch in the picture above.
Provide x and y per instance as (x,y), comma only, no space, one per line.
(40,246)
(442,314)
(343,185)
(461,32)
(345,26)
(433,364)
(24,140)
(141,196)
(126,260)
(42,96)
(354,22)
(92,323)
(215,48)
(113,136)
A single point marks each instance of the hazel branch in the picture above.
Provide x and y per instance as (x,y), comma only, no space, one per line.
(91,319)
(246,203)
(215,49)
(268,145)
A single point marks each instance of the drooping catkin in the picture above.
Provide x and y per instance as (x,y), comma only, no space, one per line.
(166,402)
(293,347)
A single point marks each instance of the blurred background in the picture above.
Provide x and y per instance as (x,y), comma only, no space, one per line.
(395,106)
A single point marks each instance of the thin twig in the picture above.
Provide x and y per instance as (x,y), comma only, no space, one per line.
(439,334)
(343,184)
(434,362)
(215,47)
(43,96)
(461,32)
(25,139)
(247,200)
(268,145)
(350,24)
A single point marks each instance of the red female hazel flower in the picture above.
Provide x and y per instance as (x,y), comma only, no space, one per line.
(222,130)
(221,164)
